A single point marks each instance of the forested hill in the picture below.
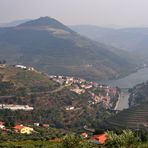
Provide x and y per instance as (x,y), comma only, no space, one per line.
(139,94)
(52,47)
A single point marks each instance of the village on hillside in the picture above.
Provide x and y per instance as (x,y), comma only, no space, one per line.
(105,95)
(99,93)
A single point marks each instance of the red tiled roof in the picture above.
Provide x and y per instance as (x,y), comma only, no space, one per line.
(2,123)
(18,127)
(101,138)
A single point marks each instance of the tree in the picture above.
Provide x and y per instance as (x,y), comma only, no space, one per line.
(71,141)
(126,139)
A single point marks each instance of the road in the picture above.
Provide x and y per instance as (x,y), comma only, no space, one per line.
(122,102)
(40,93)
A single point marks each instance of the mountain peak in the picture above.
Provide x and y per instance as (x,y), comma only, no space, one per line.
(45,22)
(42,21)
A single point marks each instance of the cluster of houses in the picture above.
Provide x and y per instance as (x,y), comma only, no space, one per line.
(99,93)
(18,128)
(22,129)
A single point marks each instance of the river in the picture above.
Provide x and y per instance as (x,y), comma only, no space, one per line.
(128,82)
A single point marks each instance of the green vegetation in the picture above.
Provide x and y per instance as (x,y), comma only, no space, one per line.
(25,79)
(27,87)
(122,139)
(125,139)
(139,94)
(30,144)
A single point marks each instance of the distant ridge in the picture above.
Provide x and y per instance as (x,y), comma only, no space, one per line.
(14,23)
(131,39)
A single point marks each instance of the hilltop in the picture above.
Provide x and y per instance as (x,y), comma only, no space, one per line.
(52,47)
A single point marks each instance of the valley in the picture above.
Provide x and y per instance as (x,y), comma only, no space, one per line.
(49,106)
(78,85)
(126,83)
(73,74)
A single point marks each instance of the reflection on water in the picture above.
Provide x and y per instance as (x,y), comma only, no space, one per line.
(128,82)
(131,80)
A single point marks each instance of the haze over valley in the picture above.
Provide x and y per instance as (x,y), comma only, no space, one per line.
(74,74)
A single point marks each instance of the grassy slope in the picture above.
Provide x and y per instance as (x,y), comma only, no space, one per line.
(26,79)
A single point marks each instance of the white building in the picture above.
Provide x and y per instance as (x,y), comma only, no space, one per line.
(70,108)
(14,107)
(21,66)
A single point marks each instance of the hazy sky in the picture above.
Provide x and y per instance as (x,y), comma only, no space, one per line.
(70,12)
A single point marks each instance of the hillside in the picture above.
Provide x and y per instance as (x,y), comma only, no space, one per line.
(62,102)
(137,115)
(52,47)
(13,23)
(133,40)
(138,94)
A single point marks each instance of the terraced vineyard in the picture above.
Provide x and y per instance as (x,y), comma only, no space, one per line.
(135,117)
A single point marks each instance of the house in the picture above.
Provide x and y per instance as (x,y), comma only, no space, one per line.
(45,125)
(21,66)
(78,90)
(36,124)
(101,138)
(52,76)
(88,86)
(23,129)
(70,108)
(82,81)
(31,68)
(69,80)
(2,65)
(84,135)
(2,125)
